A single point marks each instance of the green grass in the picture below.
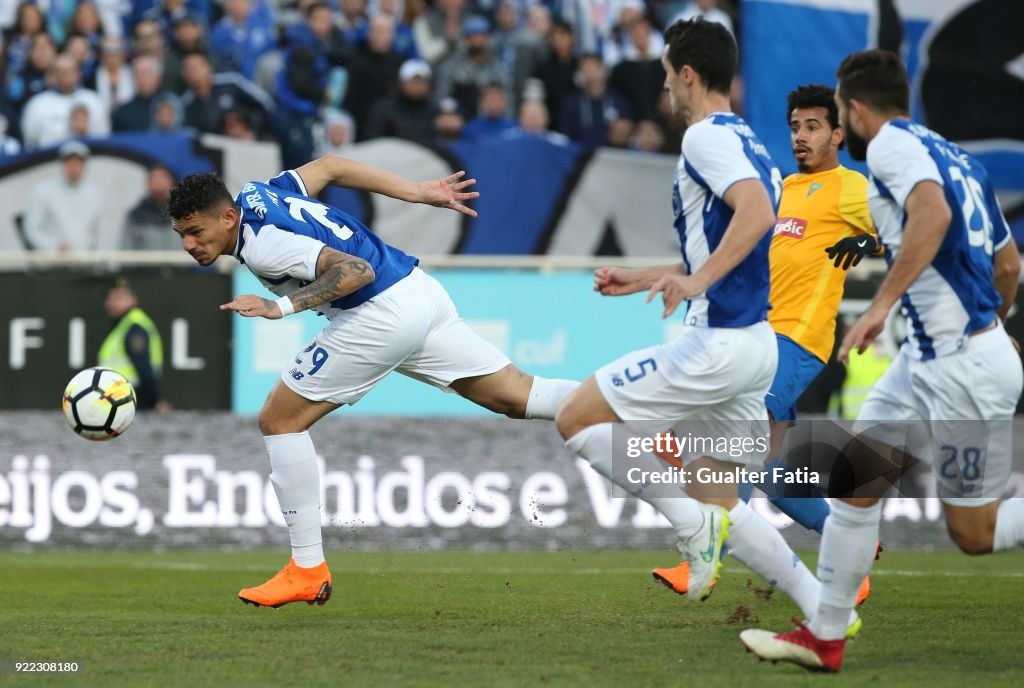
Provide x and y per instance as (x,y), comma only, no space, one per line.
(591,619)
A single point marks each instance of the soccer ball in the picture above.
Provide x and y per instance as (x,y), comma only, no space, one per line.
(99,403)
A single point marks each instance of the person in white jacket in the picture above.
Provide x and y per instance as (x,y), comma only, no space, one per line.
(64,213)
(46,120)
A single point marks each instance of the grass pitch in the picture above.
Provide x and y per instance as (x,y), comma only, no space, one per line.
(591,619)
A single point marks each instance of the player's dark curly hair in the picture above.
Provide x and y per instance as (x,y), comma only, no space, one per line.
(876,78)
(197,193)
(812,96)
(707,47)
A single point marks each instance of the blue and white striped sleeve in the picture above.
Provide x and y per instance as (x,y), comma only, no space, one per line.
(289,181)
(717,154)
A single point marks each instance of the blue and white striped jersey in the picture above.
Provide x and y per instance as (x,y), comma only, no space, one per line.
(719,151)
(283,232)
(955,294)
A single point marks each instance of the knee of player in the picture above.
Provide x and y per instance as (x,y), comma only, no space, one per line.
(266,424)
(512,396)
(975,546)
(271,423)
(512,408)
(972,543)
(568,421)
(516,412)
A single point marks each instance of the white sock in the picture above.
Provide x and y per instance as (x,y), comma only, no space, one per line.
(546,396)
(1009,525)
(296,480)
(760,547)
(847,553)
(595,445)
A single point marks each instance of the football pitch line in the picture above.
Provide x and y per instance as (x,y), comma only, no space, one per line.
(948,574)
(535,571)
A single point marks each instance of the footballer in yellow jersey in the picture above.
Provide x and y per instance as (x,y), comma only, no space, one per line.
(822,207)
(818,209)
(823,224)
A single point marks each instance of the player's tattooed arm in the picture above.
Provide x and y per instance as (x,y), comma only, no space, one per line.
(337,274)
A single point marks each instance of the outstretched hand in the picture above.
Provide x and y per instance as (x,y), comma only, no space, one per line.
(252,306)
(675,289)
(449,193)
(617,281)
(862,333)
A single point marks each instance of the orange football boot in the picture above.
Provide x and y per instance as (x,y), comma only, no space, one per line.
(291,584)
(864,591)
(865,586)
(676,579)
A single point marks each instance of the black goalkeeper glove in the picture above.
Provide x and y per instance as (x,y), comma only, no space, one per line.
(849,251)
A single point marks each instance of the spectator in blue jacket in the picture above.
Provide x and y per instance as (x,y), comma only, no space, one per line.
(240,38)
(587,113)
(492,119)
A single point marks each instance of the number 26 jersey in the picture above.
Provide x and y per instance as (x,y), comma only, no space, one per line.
(954,296)
(283,232)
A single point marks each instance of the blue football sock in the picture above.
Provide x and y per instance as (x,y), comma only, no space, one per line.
(801,502)
(810,512)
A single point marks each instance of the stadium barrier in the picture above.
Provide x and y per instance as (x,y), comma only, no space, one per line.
(540,310)
(200,480)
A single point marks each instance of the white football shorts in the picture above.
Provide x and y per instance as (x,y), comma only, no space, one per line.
(954,412)
(412,327)
(716,375)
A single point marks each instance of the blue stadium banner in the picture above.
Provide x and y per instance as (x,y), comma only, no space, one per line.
(965,59)
(536,197)
(180,153)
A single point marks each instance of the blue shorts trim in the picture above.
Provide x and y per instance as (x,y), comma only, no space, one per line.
(797,369)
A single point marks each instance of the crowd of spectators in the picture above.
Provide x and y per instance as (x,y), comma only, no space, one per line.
(316,75)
